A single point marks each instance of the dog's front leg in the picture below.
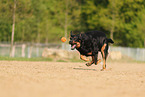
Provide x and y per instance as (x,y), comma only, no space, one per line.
(89,64)
(84,58)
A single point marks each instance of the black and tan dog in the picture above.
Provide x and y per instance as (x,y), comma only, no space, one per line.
(89,44)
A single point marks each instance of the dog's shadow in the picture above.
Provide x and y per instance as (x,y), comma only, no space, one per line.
(84,69)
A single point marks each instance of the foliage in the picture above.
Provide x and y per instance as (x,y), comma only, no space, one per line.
(48,20)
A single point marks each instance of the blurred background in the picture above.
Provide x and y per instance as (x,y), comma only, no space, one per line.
(33,28)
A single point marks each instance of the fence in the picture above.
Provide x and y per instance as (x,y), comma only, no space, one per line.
(135,53)
(26,50)
(35,50)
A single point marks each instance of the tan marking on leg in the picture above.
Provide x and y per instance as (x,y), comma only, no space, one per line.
(84,58)
(104,63)
(98,61)
(89,64)
(102,50)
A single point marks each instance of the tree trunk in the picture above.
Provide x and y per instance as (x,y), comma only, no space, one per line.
(66,19)
(111,33)
(66,22)
(144,42)
(13,30)
(23,50)
(46,40)
(38,37)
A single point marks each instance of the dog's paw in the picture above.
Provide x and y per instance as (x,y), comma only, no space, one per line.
(103,69)
(88,64)
(109,69)
(98,61)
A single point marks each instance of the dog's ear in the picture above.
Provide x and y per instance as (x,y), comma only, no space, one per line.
(80,36)
(71,34)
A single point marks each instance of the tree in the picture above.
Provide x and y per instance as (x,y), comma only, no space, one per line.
(116,17)
(139,32)
(67,13)
(13,30)
(5,20)
(129,13)
(48,20)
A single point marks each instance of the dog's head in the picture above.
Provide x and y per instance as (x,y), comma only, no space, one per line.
(75,41)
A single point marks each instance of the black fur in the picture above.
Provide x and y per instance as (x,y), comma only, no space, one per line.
(90,42)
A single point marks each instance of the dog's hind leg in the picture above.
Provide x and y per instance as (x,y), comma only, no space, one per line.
(95,58)
(104,51)
(96,61)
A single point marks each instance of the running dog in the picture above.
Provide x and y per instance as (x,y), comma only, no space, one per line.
(89,44)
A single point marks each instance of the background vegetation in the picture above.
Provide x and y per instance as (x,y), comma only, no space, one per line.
(46,21)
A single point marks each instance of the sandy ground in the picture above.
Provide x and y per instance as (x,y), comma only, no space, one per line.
(64,79)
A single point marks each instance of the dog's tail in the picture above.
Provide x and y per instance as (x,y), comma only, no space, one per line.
(110,41)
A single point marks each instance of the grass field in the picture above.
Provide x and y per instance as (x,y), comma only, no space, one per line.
(25,59)
(71,79)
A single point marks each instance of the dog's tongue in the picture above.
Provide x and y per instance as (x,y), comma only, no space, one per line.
(73,47)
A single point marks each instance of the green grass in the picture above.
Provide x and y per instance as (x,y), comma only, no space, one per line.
(25,59)
(70,60)
(37,59)
(124,59)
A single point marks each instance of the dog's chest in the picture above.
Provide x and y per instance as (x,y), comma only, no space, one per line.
(84,51)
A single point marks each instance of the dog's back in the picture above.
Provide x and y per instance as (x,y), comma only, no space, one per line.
(97,37)
(96,34)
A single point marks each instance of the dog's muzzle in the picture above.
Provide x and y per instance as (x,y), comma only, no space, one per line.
(73,45)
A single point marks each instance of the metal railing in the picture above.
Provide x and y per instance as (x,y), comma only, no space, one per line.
(35,50)
(134,53)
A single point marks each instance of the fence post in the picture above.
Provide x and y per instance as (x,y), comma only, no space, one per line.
(13,51)
(29,51)
(23,50)
(128,51)
(63,46)
(137,53)
(37,51)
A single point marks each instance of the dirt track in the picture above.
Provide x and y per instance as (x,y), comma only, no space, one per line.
(61,79)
